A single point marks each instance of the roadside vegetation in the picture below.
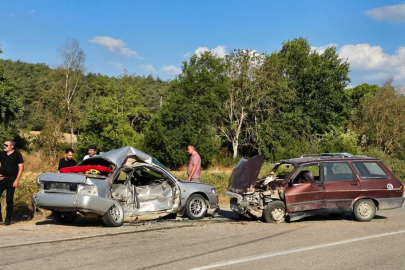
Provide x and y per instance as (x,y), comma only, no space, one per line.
(284,104)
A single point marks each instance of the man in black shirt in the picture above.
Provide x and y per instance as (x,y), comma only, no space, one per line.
(11,168)
(68,160)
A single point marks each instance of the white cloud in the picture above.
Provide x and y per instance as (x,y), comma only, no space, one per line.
(148,68)
(32,11)
(373,63)
(219,51)
(187,54)
(171,70)
(117,66)
(322,49)
(395,13)
(115,45)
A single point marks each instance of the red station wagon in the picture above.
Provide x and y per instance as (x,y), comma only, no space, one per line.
(314,185)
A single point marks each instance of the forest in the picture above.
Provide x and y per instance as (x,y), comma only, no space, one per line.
(284,104)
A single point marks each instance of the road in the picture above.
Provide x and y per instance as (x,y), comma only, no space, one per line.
(222,243)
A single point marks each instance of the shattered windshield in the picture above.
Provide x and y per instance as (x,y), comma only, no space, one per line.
(283,170)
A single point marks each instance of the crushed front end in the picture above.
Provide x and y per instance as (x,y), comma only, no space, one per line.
(250,195)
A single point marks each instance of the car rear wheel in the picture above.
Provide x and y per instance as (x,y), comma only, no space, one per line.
(364,210)
(196,207)
(114,217)
(274,212)
(63,217)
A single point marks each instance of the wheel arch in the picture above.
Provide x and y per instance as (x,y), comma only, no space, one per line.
(377,204)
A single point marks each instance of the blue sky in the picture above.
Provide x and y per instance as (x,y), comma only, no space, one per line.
(154,37)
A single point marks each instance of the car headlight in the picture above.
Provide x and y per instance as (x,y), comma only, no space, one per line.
(213,190)
(89,190)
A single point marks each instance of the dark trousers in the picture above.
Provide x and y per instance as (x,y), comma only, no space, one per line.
(7,185)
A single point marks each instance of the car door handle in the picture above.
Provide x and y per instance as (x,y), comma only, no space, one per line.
(354,184)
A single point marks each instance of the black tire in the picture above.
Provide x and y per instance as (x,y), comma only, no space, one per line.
(196,207)
(114,216)
(274,212)
(364,210)
(64,217)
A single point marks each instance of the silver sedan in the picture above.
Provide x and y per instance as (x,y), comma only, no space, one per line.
(121,185)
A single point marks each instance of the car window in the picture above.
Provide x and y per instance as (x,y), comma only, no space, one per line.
(146,176)
(337,171)
(283,170)
(308,174)
(369,170)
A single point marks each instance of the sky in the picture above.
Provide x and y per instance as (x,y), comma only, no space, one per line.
(155,37)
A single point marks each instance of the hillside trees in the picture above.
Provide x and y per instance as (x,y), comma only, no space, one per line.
(9,106)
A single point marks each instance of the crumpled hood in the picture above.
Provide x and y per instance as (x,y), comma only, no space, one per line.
(118,156)
(244,175)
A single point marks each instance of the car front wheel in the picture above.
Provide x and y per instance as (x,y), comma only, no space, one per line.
(64,218)
(274,212)
(196,207)
(364,210)
(114,217)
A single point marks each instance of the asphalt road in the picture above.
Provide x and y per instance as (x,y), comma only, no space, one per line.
(313,243)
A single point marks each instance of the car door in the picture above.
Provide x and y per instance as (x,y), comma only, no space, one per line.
(305,195)
(341,184)
(155,190)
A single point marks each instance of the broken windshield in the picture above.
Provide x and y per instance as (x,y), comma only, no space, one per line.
(283,170)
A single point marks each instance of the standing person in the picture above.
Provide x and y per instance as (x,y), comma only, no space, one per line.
(91,151)
(194,166)
(68,160)
(11,169)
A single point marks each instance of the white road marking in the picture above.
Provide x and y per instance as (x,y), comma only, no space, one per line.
(269,255)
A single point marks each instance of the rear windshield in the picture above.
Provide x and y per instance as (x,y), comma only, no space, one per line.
(369,170)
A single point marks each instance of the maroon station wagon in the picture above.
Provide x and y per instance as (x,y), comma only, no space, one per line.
(314,185)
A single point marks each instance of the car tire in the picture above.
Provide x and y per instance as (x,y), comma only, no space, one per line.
(64,217)
(196,207)
(114,216)
(274,212)
(364,210)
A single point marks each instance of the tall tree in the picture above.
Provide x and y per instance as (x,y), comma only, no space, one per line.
(189,112)
(73,59)
(245,96)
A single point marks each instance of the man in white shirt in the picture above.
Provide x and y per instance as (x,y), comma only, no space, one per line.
(92,151)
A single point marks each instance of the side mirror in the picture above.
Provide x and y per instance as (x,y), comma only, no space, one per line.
(290,184)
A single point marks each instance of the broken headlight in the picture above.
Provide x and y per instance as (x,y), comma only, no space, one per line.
(40,187)
(89,190)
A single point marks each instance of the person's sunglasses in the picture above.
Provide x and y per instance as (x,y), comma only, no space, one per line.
(5,145)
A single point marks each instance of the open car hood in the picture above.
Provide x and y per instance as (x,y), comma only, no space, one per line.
(118,156)
(244,175)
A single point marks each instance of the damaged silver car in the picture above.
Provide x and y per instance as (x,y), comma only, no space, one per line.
(122,185)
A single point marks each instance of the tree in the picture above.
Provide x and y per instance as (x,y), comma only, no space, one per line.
(73,59)
(189,112)
(245,96)
(382,119)
(319,81)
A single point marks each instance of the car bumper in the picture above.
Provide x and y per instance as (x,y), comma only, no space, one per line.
(237,204)
(390,203)
(72,202)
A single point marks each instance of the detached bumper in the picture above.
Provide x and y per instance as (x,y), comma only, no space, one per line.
(65,202)
(390,203)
